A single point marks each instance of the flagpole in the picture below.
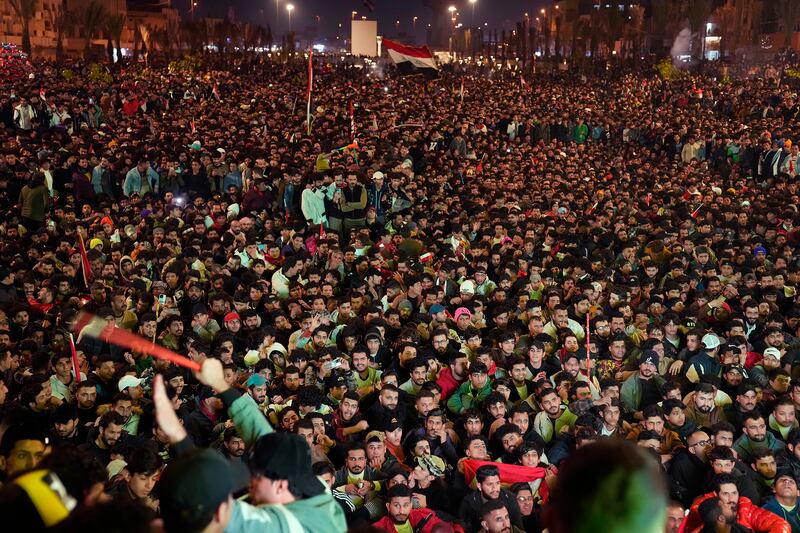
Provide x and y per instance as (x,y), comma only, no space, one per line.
(74,354)
(308,95)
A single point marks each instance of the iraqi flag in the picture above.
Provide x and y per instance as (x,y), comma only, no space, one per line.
(412,59)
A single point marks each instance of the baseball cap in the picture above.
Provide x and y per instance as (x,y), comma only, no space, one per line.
(378,175)
(372,436)
(256,380)
(199,309)
(193,486)
(649,356)
(233,315)
(286,456)
(467,287)
(772,352)
(710,341)
(128,381)
(436,308)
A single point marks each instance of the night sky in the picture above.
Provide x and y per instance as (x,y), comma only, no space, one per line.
(332,12)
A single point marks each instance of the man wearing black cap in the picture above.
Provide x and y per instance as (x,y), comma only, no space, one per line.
(643,387)
(286,494)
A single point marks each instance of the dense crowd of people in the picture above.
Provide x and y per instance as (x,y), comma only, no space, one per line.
(421,308)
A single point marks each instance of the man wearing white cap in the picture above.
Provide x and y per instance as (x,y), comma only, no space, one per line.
(378,196)
(131,386)
(705,363)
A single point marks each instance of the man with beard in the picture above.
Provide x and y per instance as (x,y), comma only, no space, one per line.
(257,389)
(232,447)
(361,482)
(702,409)
(553,417)
(66,427)
(689,468)
(488,489)
(386,407)
(755,437)
(718,518)
(109,431)
(741,509)
(401,516)
(642,388)
(495,518)
(746,401)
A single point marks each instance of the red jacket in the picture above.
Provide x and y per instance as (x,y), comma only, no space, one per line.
(415,517)
(448,383)
(752,516)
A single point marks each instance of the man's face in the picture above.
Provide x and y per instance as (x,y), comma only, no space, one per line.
(747,402)
(356,461)
(110,435)
(25,455)
(235,446)
(675,516)
(784,415)
(766,467)
(551,404)
(398,509)
(259,392)
(729,496)
(389,399)
(497,521)
(349,408)
(525,502)
(755,429)
(704,401)
(86,397)
(654,424)
(65,429)
(490,487)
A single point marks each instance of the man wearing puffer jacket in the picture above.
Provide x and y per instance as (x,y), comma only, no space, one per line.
(747,514)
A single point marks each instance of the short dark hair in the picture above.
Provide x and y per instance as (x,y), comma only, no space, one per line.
(144,461)
(486,471)
(491,505)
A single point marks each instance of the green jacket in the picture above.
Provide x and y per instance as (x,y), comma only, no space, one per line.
(465,397)
(630,394)
(547,429)
(319,514)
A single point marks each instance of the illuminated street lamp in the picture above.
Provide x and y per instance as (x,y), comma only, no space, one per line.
(353,15)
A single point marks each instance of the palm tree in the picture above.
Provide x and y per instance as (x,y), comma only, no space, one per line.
(92,20)
(698,12)
(61,18)
(25,10)
(115,25)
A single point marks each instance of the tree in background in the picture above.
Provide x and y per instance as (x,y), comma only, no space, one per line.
(25,10)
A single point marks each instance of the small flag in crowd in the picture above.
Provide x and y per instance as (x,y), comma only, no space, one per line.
(85,266)
(462,91)
(524,84)
(215,92)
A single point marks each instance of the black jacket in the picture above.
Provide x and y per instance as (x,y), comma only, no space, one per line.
(687,472)
(469,512)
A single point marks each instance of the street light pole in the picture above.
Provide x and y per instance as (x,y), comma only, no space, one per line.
(289,9)
(472,20)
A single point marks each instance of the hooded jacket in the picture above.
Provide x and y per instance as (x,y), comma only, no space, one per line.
(318,514)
